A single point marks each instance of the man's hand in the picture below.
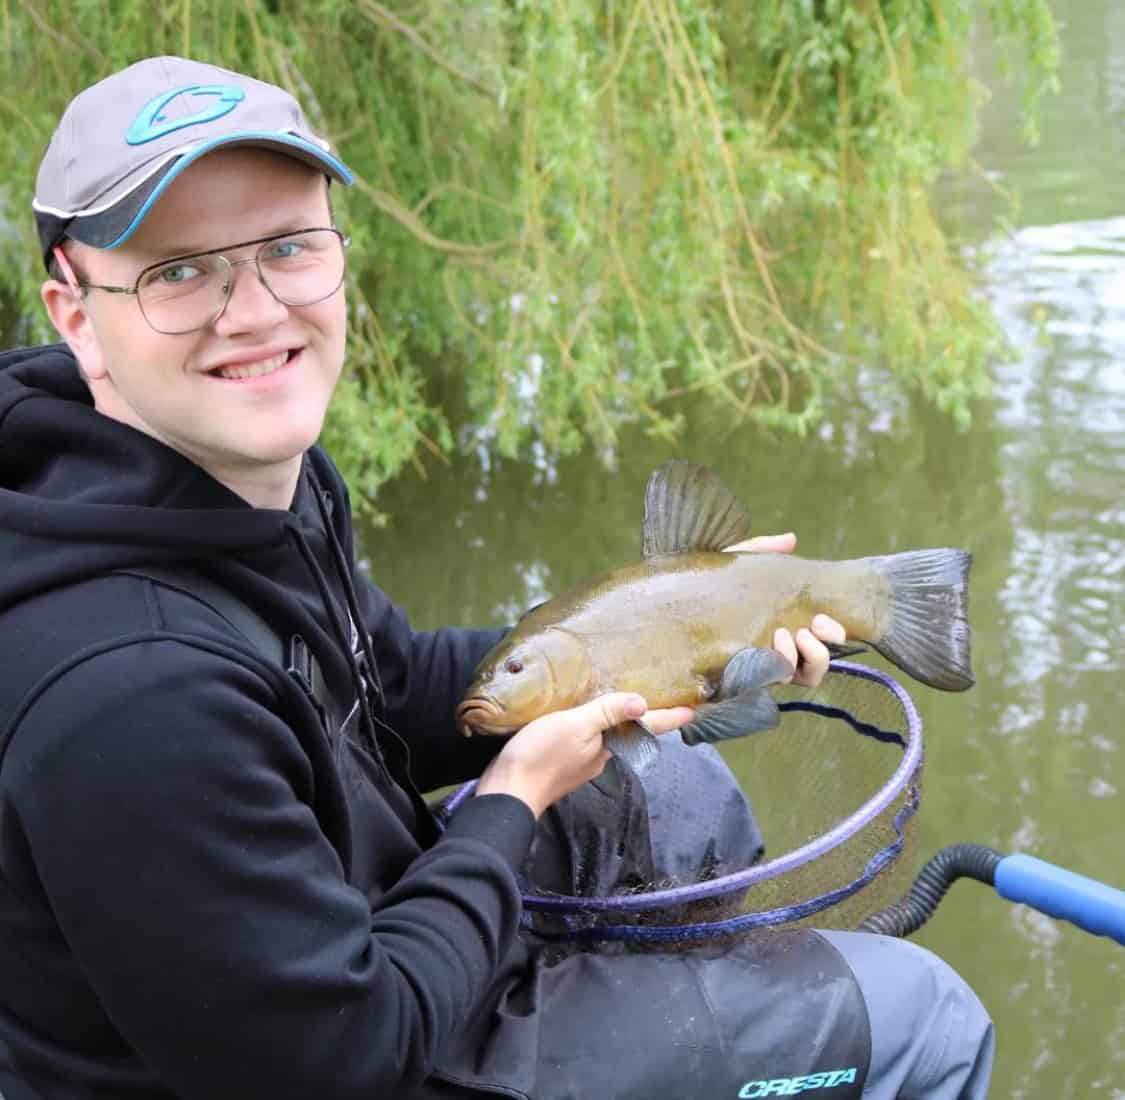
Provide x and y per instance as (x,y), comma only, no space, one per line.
(557,753)
(806,652)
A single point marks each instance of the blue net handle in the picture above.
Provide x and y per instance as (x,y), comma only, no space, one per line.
(840,833)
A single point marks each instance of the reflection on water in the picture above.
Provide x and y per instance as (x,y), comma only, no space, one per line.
(1060,293)
(1053,774)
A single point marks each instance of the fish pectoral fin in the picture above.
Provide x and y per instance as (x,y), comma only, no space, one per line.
(633,744)
(751,669)
(687,508)
(743,704)
(736,717)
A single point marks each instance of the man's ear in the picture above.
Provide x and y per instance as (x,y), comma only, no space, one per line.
(73,323)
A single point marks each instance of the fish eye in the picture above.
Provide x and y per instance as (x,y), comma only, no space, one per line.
(514,667)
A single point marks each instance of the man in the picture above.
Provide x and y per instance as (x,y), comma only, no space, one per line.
(217,875)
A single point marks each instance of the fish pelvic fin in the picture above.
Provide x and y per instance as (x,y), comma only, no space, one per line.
(687,508)
(633,744)
(609,782)
(743,703)
(929,635)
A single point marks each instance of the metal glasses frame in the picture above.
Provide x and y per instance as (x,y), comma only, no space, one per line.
(78,286)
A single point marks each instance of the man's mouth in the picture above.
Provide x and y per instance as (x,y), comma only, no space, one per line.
(240,371)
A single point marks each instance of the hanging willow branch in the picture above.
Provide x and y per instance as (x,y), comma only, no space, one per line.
(645,202)
(379,14)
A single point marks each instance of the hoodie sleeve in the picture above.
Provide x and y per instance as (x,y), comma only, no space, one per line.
(175,832)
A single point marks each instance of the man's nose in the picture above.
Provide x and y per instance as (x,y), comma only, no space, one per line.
(250,303)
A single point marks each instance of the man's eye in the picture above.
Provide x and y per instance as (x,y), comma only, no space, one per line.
(175,274)
(284,250)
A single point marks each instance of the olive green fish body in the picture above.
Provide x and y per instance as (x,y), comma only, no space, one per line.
(688,614)
(673,624)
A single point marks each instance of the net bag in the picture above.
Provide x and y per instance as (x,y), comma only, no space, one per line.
(805,824)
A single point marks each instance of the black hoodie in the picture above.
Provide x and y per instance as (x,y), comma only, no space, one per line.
(201,893)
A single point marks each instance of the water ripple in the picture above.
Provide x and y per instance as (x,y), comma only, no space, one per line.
(1059,291)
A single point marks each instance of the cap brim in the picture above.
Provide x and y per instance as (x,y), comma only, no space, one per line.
(113,227)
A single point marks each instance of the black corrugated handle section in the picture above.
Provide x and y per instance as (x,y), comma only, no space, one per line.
(940,872)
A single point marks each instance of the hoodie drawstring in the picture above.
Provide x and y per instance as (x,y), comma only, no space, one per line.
(373,721)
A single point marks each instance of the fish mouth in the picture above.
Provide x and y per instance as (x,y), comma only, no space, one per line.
(480,714)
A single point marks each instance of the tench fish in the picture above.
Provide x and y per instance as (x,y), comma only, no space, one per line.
(690,624)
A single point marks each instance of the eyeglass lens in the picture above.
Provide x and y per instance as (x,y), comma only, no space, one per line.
(191,292)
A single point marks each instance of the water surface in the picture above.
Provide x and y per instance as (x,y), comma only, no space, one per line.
(1031,759)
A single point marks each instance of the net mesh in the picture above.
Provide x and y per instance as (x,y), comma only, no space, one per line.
(805,824)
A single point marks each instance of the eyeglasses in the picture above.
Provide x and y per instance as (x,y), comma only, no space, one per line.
(187,293)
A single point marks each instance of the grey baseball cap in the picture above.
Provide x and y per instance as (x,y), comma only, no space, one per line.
(122,141)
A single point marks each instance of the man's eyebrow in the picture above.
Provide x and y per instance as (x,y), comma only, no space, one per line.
(185,250)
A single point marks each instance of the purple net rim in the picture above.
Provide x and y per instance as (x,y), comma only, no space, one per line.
(746,922)
(741,880)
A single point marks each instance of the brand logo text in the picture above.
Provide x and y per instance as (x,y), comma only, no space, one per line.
(792,1086)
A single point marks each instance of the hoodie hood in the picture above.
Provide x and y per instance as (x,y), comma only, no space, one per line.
(82,494)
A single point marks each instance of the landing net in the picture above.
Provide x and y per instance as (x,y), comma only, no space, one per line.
(677,856)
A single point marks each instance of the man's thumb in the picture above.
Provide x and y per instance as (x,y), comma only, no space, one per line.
(617,707)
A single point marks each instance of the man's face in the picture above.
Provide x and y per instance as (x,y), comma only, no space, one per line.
(193,391)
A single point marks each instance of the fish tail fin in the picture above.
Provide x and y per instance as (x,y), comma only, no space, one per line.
(928,636)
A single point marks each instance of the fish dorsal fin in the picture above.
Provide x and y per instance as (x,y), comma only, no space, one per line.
(687,508)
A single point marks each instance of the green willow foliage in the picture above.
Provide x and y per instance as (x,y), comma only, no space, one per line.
(585,209)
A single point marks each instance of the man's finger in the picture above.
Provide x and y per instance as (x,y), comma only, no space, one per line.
(814,659)
(784,644)
(668,718)
(828,629)
(765,544)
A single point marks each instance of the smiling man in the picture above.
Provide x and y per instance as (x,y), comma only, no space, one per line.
(218,877)
(237,381)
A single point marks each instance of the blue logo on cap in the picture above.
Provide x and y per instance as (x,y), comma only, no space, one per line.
(151,123)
